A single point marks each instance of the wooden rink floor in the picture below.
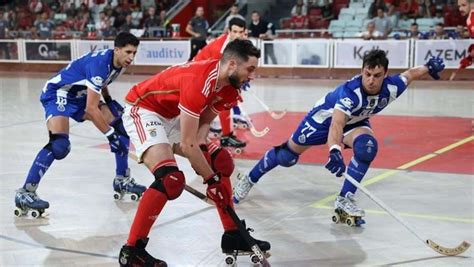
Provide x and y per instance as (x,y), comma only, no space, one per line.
(289,207)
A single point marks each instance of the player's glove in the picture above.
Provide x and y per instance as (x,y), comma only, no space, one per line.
(216,191)
(115,108)
(118,143)
(336,161)
(245,86)
(435,65)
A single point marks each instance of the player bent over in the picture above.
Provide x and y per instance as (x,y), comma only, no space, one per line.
(341,119)
(170,114)
(75,93)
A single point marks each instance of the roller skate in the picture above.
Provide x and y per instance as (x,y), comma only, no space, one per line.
(346,211)
(233,245)
(215,133)
(138,256)
(126,185)
(233,144)
(242,188)
(240,122)
(29,202)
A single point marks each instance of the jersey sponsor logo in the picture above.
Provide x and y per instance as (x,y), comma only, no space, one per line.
(153,123)
(152,132)
(383,103)
(302,138)
(347,102)
(97,80)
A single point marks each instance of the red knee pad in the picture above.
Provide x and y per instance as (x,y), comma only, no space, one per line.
(222,162)
(170,181)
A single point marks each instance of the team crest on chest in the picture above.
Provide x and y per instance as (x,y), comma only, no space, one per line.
(383,103)
(152,132)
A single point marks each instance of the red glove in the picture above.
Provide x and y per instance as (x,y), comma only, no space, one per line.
(216,191)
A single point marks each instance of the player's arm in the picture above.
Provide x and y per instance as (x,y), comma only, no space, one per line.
(106,94)
(433,67)
(207,116)
(93,111)
(190,145)
(189,30)
(335,135)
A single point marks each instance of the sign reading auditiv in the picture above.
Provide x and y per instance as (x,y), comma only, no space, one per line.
(451,51)
(162,53)
(349,53)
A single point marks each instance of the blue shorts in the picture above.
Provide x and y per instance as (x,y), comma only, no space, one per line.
(55,105)
(311,133)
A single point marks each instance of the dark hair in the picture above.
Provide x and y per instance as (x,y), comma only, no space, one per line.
(414,24)
(374,58)
(237,22)
(255,11)
(241,49)
(124,38)
(440,24)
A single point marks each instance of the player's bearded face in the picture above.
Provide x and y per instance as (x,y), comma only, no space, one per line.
(234,79)
(372,79)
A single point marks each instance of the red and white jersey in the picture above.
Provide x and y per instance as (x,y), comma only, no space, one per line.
(189,88)
(214,49)
(467,61)
(470,23)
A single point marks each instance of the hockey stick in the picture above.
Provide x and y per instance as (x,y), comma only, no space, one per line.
(250,241)
(188,188)
(430,243)
(253,130)
(272,113)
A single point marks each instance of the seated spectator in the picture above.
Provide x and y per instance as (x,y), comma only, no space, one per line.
(382,23)
(424,8)
(408,9)
(3,25)
(137,16)
(44,26)
(128,25)
(326,10)
(414,33)
(234,13)
(109,30)
(371,33)
(439,33)
(379,4)
(299,21)
(461,32)
(100,24)
(152,20)
(36,6)
(304,9)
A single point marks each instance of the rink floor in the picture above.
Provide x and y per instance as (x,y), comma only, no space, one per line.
(426,176)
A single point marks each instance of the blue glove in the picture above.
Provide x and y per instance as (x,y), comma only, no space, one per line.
(115,108)
(336,162)
(118,143)
(435,65)
(245,86)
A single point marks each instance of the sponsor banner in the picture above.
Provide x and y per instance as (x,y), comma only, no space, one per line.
(86,46)
(48,51)
(312,53)
(9,51)
(162,52)
(451,51)
(349,53)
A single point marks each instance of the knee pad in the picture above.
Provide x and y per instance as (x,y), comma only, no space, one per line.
(222,162)
(59,145)
(284,156)
(365,148)
(170,181)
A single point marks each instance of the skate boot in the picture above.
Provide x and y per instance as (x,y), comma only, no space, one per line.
(346,211)
(26,201)
(240,122)
(231,141)
(127,185)
(215,132)
(242,188)
(138,256)
(233,245)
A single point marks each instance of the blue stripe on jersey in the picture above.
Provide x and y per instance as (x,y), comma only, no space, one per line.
(351,99)
(94,70)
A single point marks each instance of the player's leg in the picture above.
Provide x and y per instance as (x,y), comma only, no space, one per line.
(364,146)
(228,139)
(222,162)
(123,181)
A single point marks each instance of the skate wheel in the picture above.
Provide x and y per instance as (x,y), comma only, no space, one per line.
(117,196)
(235,125)
(18,212)
(350,221)
(238,151)
(254,259)
(35,214)
(244,126)
(230,259)
(135,197)
(335,218)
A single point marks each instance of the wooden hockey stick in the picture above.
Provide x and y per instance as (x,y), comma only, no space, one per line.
(250,241)
(253,130)
(272,113)
(430,243)
(188,188)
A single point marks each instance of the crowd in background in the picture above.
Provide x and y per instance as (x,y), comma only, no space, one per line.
(105,18)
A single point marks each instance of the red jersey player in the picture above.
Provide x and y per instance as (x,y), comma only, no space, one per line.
(214,51)
(170,114)
(466,7)
(465,62)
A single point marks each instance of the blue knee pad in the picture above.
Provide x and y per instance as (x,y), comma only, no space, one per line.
(59,145)
(365,148)
(285,157)
(115,108)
